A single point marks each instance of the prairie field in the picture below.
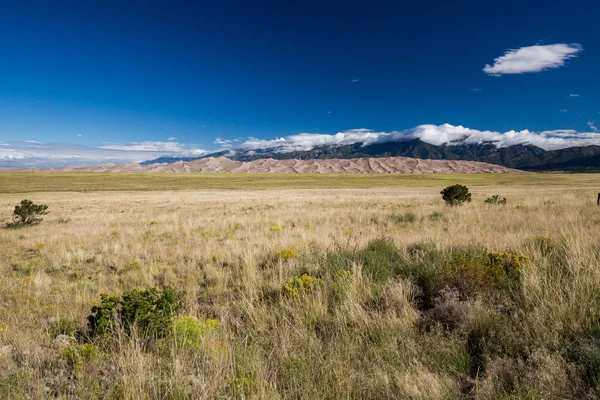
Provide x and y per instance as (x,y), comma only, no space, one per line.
(313,287)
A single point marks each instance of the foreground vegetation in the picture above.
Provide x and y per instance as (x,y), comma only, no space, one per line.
(347,293)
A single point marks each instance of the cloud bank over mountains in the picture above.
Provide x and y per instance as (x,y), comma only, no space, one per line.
(433,134)
(43,155)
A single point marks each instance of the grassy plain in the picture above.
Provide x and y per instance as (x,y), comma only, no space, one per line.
(28,182)
(409,297)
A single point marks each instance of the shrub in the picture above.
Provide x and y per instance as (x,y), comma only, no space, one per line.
(435,216)
(27,213)
(585,352)
(456,195)
(380,259)
(190,331)
(495,199)
(62,326)
(467,272)
(511,264)
(299,285)
(275,228)
(286,254)
(151,311)
(408,217)
(77,355)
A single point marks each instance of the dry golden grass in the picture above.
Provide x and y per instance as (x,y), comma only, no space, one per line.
(223,250)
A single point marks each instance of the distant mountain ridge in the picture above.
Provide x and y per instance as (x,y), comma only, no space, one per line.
(521,156)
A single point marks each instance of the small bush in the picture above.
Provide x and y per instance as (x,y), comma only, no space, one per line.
(286,254)
(132,266)
(496,199)
(380,259)
(76,356)
(456,195)
(511,264)
(435,216)
(297,286)
(62,326)
(27,213)
(190,331)
(585,352)
(151,311)
(468,273)
(408,217)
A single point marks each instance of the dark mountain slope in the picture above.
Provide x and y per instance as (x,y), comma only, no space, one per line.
(521,156)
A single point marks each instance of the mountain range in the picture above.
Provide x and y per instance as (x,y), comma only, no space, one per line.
(521,156)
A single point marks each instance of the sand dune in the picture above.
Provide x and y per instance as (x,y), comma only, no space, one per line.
(389,165)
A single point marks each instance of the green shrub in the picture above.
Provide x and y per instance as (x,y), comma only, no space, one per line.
(27,213)
(408,217)
(467,272)
(496,199)
(435,216)
(456,195)
(380,259)
(190,331)
(151,311)
(132,266)
(77,355)
(62,326)
(585,352)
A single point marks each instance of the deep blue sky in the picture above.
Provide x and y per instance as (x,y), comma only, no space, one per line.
(145,71)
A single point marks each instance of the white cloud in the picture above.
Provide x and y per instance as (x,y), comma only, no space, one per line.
(79,135)
(476,90)
(592,126)
(144,146)
(573,95)
(46,155)
(533,59)
(564,110)
(433,134)
(354,80)
(172,138)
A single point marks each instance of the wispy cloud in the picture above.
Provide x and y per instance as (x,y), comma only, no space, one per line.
(144,146)
(227,142)
(564,110)
(592,126)
(573,95)
(476,90)
(46,155)
(354,80)
(533,59)
(172,138)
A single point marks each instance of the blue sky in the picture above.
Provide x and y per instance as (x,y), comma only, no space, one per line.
(87,82)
